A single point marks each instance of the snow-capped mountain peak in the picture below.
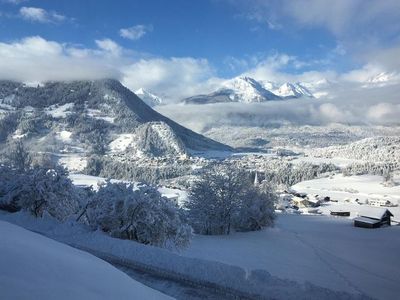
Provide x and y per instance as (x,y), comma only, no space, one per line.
(292,90)
(149,98)
(248,90)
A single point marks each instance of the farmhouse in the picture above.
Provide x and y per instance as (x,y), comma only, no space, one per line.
(379,202)
(375,219)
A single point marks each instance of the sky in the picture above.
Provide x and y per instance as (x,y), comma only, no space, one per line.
(180,48)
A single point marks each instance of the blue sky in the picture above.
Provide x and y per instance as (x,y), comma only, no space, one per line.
(206,39)
(215,30)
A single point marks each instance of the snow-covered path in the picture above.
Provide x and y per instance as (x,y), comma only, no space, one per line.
(326,251)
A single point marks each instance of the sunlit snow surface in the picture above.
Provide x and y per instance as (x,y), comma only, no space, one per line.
(326,251)
(35,267)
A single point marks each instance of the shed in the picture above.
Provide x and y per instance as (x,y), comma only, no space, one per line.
(340,213)
(379,202)
(374,219)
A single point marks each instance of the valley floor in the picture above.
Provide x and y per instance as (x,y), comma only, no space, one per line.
(326,251)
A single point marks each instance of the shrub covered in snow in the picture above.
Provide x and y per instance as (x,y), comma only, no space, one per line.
(38,190)
(8,124)
(224,198)
(137,213)
(256,209)
(17,156)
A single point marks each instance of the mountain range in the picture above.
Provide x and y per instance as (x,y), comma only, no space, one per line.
(249,90)
(245,89)
(239,89)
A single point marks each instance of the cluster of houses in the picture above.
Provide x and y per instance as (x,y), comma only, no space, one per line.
(301,200)
(374,218)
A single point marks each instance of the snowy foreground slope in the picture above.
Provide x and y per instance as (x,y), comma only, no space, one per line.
(326,251)
(35,267)
(254,283)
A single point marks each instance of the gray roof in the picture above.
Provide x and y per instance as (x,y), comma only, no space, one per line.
(377,213)
(366,220)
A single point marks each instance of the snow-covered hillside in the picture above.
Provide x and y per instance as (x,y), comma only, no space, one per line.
(70,121)
(35,267)
(292,136)
(374,149)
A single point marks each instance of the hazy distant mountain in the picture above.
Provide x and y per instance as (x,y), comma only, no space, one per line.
(249,90)
(382,79)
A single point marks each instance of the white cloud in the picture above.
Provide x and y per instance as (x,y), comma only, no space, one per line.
(109,46)
(175,77)
(360,26)
(272,68)
(16,2)
(135,32)
(344,18)
(352,106)
(384,113)
(35,59)
(348,17)
(40,15)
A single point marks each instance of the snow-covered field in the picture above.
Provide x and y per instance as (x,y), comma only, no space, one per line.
(86,180)
(73,162)
(174,194)
(59,111)
(234,274)
(122,142)
(326,251)
(35,267)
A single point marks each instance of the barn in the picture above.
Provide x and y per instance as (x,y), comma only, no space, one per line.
(340,213)
(374,219)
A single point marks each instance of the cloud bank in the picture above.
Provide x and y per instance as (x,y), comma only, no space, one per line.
(351,105)
(35,59)
(35,14)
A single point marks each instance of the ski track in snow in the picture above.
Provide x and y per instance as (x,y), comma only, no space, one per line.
(325,261)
